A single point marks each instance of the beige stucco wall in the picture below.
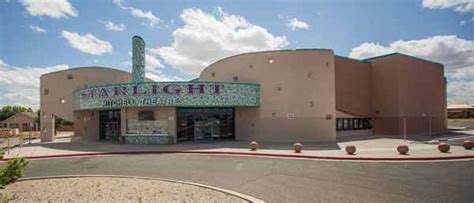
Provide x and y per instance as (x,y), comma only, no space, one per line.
(60,87)
(353,82)
(299,83)
(403,86)
(86,125)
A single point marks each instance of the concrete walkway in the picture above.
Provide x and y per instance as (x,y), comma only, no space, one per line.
(366,148)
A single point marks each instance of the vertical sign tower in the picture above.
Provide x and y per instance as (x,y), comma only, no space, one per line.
(138,59)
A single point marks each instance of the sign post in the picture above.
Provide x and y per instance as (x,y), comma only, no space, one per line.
(405,128)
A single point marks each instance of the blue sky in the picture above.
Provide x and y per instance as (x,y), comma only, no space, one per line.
(184,36)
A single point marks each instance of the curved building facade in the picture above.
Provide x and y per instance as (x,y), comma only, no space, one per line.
(308,95)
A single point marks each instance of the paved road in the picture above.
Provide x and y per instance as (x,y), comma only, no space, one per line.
(288,180)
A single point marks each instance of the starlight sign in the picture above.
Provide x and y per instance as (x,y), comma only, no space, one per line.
(150,94)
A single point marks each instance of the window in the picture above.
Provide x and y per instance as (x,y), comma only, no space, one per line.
(236,78)
(46,91)
(213,74)
(343,124)
(69,77)
(270,60)
(62,101)
(310,74)
(250,66)
(146,115)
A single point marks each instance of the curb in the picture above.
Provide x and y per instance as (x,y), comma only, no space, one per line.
(255,154)
(229,192)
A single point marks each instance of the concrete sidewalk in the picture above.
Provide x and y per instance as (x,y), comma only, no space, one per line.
(366,148)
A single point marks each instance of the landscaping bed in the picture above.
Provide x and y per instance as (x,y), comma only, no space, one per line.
(110,189)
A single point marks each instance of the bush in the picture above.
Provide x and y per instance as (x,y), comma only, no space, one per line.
(14,170)
(1,155)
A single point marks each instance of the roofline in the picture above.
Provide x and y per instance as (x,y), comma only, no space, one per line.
(402,54)
(261,52)
(27,114)
(353,59)
(84,67)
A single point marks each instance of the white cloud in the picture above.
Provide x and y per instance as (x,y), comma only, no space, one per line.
(119,3)
(87,43)
(109,25)
(3,65)
(206,37)
(461,92)
(458,5)
(50,8)
(150,19)
(297,24)
(466,73)
(152,62)
(157,75)
(449,50)
(456,54)
(21,84)
(467,21)
(37,28)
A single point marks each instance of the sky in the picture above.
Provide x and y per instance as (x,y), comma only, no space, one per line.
(183,37)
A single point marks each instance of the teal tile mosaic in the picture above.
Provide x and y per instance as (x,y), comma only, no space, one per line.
(148,139)
(177,94)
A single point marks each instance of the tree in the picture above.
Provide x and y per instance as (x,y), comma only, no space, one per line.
(8,111)
(38,117)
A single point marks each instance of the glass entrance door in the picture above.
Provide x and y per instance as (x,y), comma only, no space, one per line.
(109,124)
(203,131)
(193,122)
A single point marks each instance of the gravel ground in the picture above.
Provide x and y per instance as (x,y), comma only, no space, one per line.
(110,189)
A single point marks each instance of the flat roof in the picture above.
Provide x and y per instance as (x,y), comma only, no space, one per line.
(401,54)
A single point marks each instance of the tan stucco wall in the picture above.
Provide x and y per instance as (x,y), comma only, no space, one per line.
(60,87)
(306,80)
(86,125)
(353,95)
(404,86)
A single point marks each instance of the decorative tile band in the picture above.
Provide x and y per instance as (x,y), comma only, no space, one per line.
(178,94)
(148,139)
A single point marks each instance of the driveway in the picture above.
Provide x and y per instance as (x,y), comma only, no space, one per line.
(287,180)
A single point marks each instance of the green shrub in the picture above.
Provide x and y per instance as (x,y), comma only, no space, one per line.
(1,155)
(14,170)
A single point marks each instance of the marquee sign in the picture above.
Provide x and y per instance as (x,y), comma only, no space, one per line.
(179,94)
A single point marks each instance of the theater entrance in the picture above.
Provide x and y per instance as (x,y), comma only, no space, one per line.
(109,124)
(205,124)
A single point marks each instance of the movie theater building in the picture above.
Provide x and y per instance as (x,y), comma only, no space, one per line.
(306,95)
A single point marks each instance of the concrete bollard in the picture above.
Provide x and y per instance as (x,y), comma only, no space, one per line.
(443,147)
(403,149)
(253,146)
(297,147)
(468,144)
(350,149)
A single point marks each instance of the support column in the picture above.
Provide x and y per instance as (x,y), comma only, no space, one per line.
(47,128)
